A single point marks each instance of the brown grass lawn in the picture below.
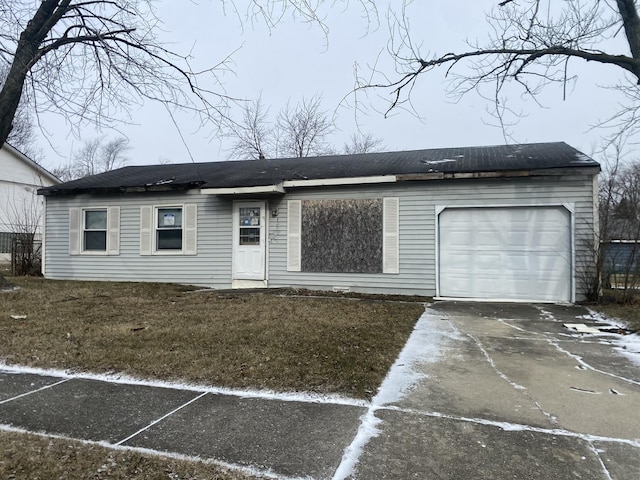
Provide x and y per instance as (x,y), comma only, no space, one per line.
(244,340)
(628,313)
(31,457)
(238,340)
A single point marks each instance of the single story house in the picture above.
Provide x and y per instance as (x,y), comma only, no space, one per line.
(513,223)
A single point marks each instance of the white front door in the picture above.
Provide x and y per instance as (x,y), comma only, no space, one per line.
(249,245)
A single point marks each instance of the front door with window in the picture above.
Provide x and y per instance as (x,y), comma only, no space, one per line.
(249,246)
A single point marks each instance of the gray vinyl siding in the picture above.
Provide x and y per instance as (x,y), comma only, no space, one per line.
(418,202)
(212,265)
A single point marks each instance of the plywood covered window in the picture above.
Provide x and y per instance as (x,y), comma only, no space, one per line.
(341,236)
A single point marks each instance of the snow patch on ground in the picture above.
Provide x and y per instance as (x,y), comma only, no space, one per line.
(128,380)
(368,429)
(626,345)
(427,343)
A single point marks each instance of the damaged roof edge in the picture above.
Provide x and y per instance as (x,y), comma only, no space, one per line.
(166,187)
(277,188)
(497,174)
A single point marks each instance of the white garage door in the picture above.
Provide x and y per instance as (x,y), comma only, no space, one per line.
(505,253)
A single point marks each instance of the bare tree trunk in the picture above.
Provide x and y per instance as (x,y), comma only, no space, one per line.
(631,21)
(27,53)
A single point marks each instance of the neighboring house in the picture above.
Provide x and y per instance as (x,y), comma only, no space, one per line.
(621,266)
(491,223)
(621,253)
(20,207)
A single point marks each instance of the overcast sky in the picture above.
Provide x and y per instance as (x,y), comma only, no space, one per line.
(295,60)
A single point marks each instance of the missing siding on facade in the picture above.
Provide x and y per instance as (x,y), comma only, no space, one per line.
(342,236)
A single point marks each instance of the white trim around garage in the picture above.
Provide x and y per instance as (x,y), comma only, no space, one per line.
(439,209)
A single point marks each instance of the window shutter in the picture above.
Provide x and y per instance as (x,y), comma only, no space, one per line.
(75,231)
(146,226)
(391,234)
(294,230)
(113,231)
(190,219)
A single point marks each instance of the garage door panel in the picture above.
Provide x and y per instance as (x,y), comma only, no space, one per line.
(487,262)
(505,253)
(517,262)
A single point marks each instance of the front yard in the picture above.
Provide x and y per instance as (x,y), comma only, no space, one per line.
(235,340)
(169,332)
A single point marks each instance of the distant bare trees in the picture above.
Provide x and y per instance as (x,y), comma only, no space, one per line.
(302,130)
(362,143)
(297,131)
(96,155)
(619,220)
(253,135)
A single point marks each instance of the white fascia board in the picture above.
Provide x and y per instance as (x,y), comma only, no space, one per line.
(322,182)
(278,188)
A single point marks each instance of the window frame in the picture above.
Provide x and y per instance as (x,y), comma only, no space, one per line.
(168,251)
(84,229)
(77,224)
(148,228)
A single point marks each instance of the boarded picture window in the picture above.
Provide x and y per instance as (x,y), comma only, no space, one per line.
(342,236)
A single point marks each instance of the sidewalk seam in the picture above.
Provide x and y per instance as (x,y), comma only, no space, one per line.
(34,391)
(158,420)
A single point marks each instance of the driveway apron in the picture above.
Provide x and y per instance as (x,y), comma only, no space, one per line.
(504,391)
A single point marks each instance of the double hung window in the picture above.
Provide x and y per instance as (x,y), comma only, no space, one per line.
(169,228)
(94,232)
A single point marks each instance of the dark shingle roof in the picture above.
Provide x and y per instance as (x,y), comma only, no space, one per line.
(249,173)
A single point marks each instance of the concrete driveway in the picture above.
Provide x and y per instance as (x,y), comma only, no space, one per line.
(480,391)
(505,391)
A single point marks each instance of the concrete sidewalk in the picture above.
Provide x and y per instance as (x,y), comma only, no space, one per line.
(289,437)
(481,391)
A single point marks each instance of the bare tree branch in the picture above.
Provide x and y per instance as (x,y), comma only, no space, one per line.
(530,44)
(91,60)
(253,135)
